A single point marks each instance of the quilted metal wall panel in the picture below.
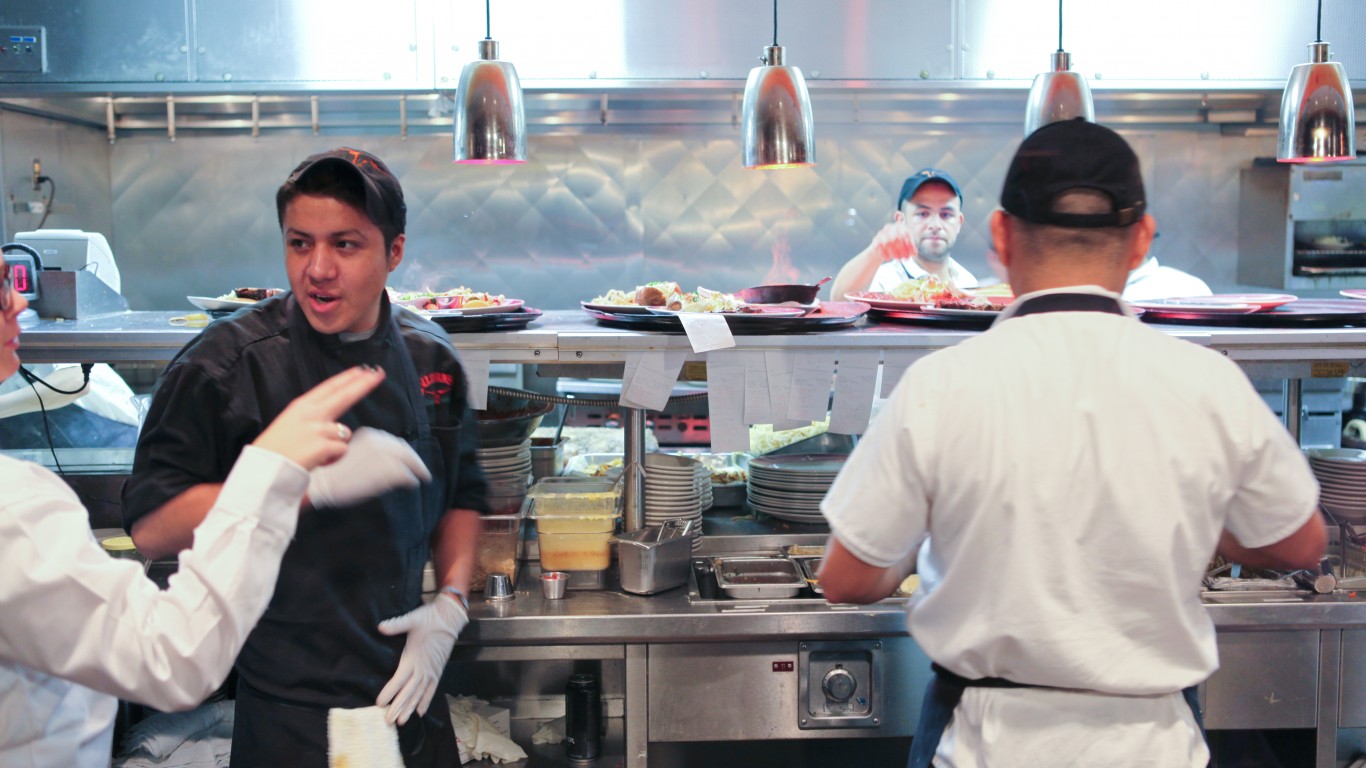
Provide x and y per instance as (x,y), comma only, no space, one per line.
(592,212)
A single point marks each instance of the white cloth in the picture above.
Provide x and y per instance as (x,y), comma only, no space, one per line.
(197,738)
(1154,281)
(1074,491)
(109,395)
(891,274)
(361,738)
(82,628)
(476,737)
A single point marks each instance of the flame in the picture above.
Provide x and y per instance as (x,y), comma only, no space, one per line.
(782,272)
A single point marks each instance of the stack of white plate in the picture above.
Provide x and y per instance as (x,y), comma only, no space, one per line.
(1342,481)
(508,472)
(676,488)
(790,487)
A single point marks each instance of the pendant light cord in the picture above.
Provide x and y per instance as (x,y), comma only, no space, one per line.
(1060,25)
(1318,26)
(775,23)
(488,29)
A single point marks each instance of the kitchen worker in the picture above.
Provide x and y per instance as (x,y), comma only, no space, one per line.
(1151,280)
(82,629)
(1060,585)
(928,218)
(347,628)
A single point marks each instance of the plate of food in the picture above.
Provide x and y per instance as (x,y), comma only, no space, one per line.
(456,302)
(664,297)
(233,300)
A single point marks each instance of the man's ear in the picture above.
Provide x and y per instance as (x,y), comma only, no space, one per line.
(1145,229)
(1000,231)
(396,252)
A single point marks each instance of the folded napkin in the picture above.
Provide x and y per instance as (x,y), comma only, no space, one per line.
(180,738)
(360,738)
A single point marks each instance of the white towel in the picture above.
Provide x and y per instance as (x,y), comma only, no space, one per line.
(360,738)
(200,737)
(476,737)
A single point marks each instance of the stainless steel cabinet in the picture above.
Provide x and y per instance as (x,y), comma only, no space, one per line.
(1265,680)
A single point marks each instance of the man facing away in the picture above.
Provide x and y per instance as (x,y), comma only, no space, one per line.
(1061,579)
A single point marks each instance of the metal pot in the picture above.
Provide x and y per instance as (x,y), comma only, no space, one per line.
(777,294)
(508,421)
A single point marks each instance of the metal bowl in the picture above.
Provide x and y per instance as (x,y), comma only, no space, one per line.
(509,420)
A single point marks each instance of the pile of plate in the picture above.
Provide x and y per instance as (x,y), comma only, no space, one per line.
(676,488)
(791,487)
(508,472)
(1342,481)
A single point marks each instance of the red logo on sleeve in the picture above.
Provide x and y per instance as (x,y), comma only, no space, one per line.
(436,386)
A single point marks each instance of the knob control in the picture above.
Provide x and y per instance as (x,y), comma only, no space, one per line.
(838,684)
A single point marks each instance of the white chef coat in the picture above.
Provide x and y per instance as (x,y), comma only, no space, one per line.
(1074,471)
(1154,281)
(895,272)
(81,628)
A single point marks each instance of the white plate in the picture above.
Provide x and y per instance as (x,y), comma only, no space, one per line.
(620,309)
(1198,304)
(219,305)
(880,300)
(1353,293)
(1263,300)
(948,312)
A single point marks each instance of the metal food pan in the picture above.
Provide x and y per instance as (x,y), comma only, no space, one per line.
(810,566)
(758,577)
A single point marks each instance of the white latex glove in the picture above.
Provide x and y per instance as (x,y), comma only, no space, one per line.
(432,629)
(375,462)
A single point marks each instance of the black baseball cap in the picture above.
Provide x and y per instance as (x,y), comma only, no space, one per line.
(1073,154)
(916,180)
(383,194)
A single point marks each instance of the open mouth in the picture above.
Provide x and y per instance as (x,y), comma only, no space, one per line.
(324,299)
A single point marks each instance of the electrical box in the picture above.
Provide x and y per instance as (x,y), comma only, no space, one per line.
(23,49)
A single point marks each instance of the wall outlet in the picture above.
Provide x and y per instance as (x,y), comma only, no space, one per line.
(37,207)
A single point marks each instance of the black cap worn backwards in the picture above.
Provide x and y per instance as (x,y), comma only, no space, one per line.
(1067,155)
(383,194)
(916,180)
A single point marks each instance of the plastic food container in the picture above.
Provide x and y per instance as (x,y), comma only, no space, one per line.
(563,505)
(576,551)
(500,536)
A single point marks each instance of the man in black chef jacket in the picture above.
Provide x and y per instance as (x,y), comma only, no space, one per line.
(355,562)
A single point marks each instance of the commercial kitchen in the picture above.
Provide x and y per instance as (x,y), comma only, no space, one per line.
(165,127)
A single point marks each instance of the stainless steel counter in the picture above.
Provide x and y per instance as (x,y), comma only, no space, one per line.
(571,336)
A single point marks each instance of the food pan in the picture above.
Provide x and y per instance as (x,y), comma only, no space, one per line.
(810,566)
(758,577)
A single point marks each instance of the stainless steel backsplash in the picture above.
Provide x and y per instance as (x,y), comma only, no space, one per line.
(588,212)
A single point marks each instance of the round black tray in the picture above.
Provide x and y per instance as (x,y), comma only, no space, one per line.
(1305,313)
(832,316)
(491,321)
(911,317)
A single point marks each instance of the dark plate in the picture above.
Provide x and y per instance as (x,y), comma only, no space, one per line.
(491,321)
(832,315)
(1305,313)
(965,322)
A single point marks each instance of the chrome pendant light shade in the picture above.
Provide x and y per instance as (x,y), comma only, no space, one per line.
(490,123)
(1318,119)
(1058,95)
(777,126)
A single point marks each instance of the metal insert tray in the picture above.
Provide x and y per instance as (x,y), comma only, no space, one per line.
(758,577)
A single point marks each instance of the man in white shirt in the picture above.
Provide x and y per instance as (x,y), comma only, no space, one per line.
(1064,616)
(929,216)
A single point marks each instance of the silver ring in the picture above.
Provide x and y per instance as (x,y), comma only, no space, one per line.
(342,431)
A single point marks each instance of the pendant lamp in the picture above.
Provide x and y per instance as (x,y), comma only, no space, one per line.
(1060,94)
(776,124)
(490,124)
(1318,120)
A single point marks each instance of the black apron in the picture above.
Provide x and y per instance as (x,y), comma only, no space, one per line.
(946,689)
(317,645)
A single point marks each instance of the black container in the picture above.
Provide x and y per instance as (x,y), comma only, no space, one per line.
(583,718)
(705,576)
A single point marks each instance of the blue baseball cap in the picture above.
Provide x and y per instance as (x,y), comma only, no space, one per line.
(916,180)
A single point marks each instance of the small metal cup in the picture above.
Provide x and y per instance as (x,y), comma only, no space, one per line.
(498,587)
(553,584)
